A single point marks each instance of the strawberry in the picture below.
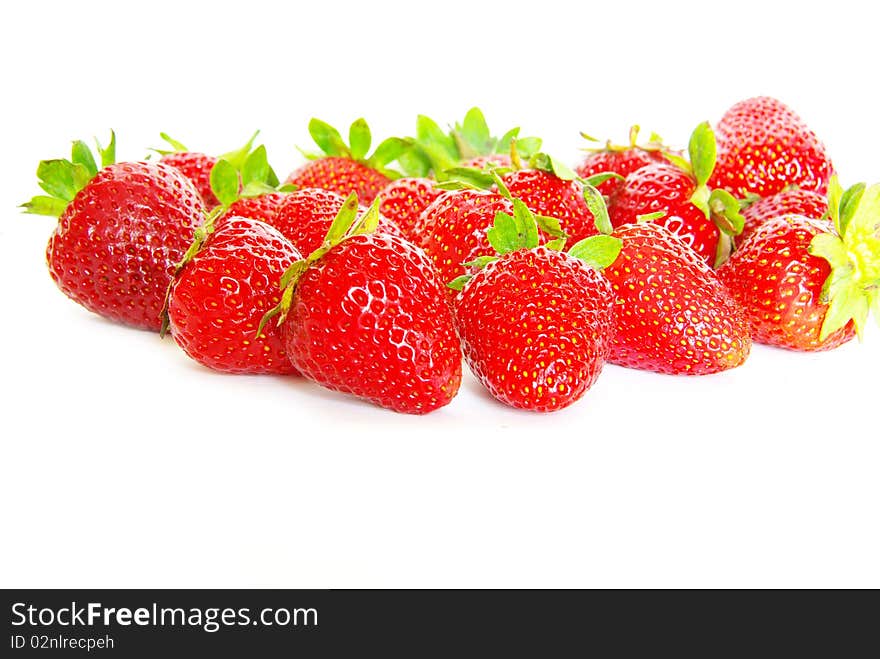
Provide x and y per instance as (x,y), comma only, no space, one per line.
(346,168)
(676,196)
(403,200)
(305,216)
(263,207)
(366,314)
(673,314)
(536,323)
(197,166)
(467,144)
(763,147)
(807,286)
(791,201)
(120,231)
(219,296)
(549,189)
(452,229)
(621,160)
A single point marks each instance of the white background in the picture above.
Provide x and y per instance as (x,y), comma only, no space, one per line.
(124,464)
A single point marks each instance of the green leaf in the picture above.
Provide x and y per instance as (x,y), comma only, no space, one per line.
(557,244)
(679,162)
(597,251)
(701,198)
(108,155)
(471,177)
(526,225)
(272,178)
(475,131)
(42,205)
(433,139)
(414,162)
(328,138)
(458,283)
(370,221)
(596,204)
(81,154)
(849,204)
(702,151)
(835,195)
(650,217)
(255,189)
(845,306)
(831,248)
(480,262)
(865,219)
(359,139)
(725,212)
(874,295)
(528,147)
(177,146)
(503,145)
(551,226)
(224,182)
(548,163)
(598,179)
(256,167)
(343,220)
(503,235)
(388,151)
(237,158)
(58,179)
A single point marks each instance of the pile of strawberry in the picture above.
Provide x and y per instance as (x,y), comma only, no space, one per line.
(376,284)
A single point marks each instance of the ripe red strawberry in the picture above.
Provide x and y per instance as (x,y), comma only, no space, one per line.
(792,201)
(673,314)
(535,323)
(763,147)
(218,298)
(345,168)
(468,144)
(676,192)
(367,315)
(403,200)
(305,216)
(197,168)
(805,286)
(555,195)
(619,159)
(452,229)
(120,231)
(263,207)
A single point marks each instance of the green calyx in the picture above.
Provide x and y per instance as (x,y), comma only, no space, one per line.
(244,173)
(653,145)
(360,139)
(435,151)
(719,206)
(852,290)
(62,179)
(345,225)
(511,233)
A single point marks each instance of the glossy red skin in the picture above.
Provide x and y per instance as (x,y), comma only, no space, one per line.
(623,162)
(263,207)
(664,187)
(403,200)
(547,194)
(452,229)
(779,284)
(763,147)
(788,202)
(305,216)
(220,296)
(116,244)
(481,162)
(197,168)
(371,318)
(341,175)
(674,315)
(536,328)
